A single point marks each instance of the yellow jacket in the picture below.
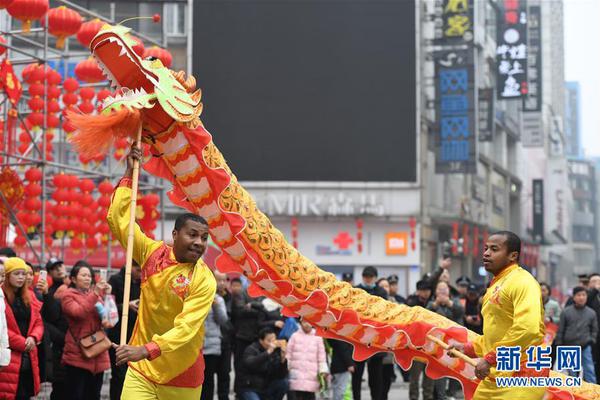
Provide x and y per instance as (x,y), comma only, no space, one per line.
(513,315)
(175,300)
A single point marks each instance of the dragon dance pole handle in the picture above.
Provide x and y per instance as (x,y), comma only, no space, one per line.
(129,256)
(455,352)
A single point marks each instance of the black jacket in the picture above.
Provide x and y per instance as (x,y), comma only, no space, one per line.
(55,329)
(248,317)
(341,357)
(375,291)
(260,368)
(117,281)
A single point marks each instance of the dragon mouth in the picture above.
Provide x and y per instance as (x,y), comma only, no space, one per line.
(122,67)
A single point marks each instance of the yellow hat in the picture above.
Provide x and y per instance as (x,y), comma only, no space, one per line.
(13,264)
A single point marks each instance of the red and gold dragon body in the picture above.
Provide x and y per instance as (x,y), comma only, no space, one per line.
(167,106)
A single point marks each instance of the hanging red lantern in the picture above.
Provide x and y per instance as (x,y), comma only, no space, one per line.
(60,195)
(76,244)
(33,73)
(104,201)
(32,204)
(62,23)
(52,106)
(24,137)
(59,180)
(105,187)
(70,84)
(27,11)
(99,157)
(36,89)
(5,3)
(52,121)
(86,185)
(53,77)
(86,107)
(87,93)
(33,174)
(102,94)
(20,241)
(35,118)
(33,189)
(70,99)
(91,243)
(88,30)
(139,46)
(53,92)
(89,71)
(163,55)
(35,103)
(2,48)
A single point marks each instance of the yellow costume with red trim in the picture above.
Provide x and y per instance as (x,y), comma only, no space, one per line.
(513,315)
(175,300)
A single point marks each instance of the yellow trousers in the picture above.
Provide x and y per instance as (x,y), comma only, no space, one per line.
(136,387)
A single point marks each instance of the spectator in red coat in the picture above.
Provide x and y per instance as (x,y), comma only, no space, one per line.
(21,378)
(84,375)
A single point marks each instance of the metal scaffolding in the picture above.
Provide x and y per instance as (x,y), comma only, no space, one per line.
(34,47)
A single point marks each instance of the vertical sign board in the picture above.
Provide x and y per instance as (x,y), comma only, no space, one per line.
(454,22)
(486,111)
(538,210)
(511,50)
(456,148)
(533,100)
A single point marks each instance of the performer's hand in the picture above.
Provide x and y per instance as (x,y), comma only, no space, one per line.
(482,369)
(134,154)
(126,353)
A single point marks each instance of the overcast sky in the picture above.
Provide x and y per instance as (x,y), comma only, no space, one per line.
(582,64)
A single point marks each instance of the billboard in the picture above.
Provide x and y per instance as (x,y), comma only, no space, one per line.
(511,50)
(310,91)
(533,100)
(453,21)
(456,147)
(486,114)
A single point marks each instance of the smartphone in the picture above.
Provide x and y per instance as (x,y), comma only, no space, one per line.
(103,274)
(43,275)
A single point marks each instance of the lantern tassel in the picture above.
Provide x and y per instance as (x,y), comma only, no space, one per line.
(27,26)
(60,42)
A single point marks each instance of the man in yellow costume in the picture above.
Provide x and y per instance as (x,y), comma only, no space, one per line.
(513,315)
(177,291)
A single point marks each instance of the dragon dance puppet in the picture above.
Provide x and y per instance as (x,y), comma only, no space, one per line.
(167,106)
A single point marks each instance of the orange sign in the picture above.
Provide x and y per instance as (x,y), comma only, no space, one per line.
(396,243)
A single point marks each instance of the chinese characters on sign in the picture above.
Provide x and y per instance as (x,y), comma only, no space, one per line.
(508,358)
(533,100)
(456,148)
(454,21)
(511,50)
(485,114)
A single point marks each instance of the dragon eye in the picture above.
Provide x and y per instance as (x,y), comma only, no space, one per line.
(151,58)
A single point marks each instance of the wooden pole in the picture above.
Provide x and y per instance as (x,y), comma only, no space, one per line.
(129,256)
(455,352)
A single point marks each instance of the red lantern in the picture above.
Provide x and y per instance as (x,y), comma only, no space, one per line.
(33,73)
(91,243)
(33,174)
(35,119)
(36,103)
(86,185)
(53,77)
(86,107)
(53,92)
(5,3)
(36,89)
(104,201)
(105,187)
(71,84)
(62,23)
(2,48)
(163,55)
(59,180)
(70,99)
(76,244)
(103,94)
(139,46)
(53,106)
(88,30)
(52,121)
(33,189)
(87,93)
(27,11)
(20,241)
(89,71)
(32,204)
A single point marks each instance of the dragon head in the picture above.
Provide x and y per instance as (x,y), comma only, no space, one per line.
(149,94)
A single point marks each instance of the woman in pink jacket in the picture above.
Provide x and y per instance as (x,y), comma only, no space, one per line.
(78,304)
(306,360)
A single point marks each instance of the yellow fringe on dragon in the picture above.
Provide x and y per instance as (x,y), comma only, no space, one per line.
(167,105)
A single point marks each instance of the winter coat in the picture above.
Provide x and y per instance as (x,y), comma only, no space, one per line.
(55,325)
(247,321)
(341,356)
(82,317)
(117,281)
(306,360)
(259,368)
(4,347)
(9,376)
(216,318)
